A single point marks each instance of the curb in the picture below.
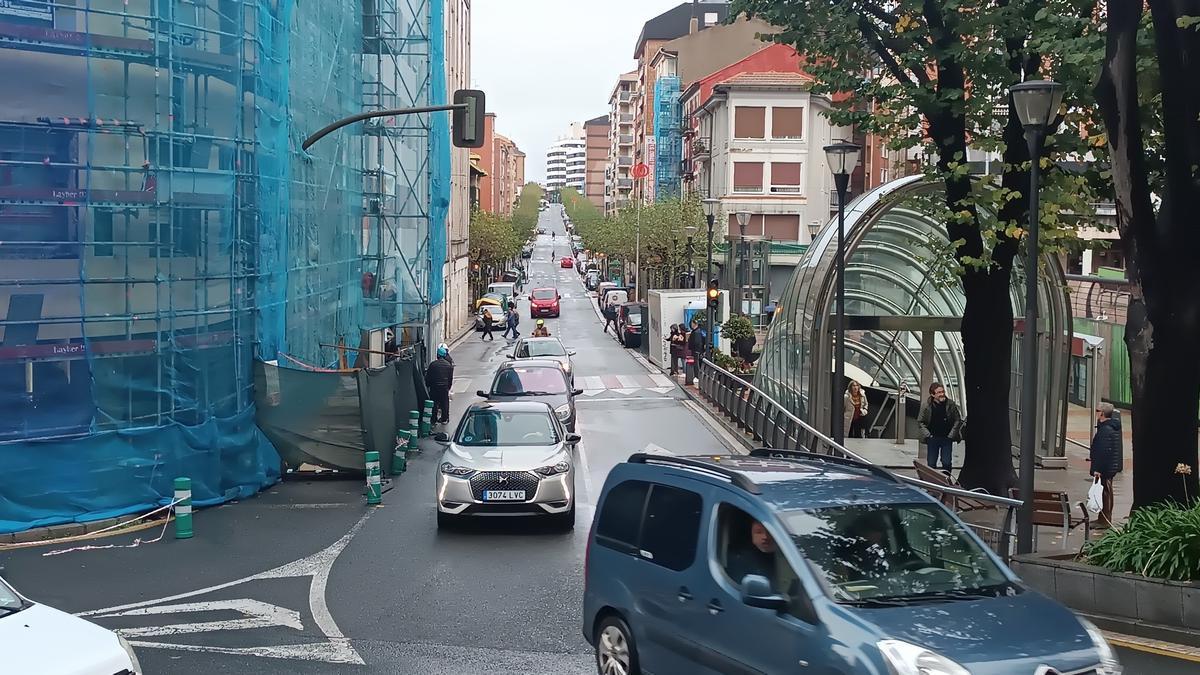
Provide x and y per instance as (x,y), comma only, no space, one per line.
(69,532)
(730,428)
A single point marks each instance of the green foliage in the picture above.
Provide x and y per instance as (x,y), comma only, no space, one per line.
(492,240)
(663,231)
(525,216)
(1161,542)
(737,328)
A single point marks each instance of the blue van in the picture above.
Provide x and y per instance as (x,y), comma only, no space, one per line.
(791,562)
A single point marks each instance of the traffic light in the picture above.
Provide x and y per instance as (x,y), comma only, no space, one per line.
(467,123)
(714,295)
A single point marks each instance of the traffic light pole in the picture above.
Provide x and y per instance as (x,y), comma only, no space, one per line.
(707,272)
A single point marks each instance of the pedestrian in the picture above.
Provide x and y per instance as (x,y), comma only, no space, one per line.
(439,377)
(941,425)
(610,317)
(514,320)
(1107,456)
(488,319)
(676,342)
(855,407)
(696,342)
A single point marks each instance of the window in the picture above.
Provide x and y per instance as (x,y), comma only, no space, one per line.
(782,227)
(753,228)
(747,176)
(102,232)
(749,122)
(787,122)
(491,428)
(744,546)
(785,177)
(672,526)
(529,381)
(619,523)
(547,347)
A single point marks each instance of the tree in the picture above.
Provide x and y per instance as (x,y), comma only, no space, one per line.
(525,216)
(492,240)
(1150,104)
(931,74)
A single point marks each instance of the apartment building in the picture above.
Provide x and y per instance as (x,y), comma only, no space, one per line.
(457,268)
(687,17)
(620,144)
(503,170)
(566,160)
(596,145)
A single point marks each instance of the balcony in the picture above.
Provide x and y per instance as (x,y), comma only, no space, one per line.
(700,148)
(625,184)
(626,118)
(625,139)
(624,161)
(625,96)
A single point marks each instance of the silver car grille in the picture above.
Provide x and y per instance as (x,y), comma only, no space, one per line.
(504,480)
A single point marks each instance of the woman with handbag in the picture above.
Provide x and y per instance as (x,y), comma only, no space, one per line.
(855,410)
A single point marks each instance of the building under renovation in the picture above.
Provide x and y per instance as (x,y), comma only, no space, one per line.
(161,230)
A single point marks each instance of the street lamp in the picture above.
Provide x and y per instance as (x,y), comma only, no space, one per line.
(710,213)
(743,219)
(842,157)
(690,230)
(1036,103)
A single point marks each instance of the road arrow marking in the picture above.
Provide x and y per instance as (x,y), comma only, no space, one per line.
(258,615)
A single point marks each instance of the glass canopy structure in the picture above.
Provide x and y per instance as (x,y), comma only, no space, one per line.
(903,315)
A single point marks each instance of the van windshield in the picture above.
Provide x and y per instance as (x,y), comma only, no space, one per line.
(894,552)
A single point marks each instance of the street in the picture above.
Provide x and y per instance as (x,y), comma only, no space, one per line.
(305,579)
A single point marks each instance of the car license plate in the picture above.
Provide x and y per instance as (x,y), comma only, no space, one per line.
(503,495)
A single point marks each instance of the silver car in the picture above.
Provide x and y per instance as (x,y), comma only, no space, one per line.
(507,459)
(548,348)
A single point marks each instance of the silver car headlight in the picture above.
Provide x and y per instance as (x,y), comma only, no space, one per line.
(133,659)
(563,411)
(1109,664)
(457,471)
(554,469)
(909,659)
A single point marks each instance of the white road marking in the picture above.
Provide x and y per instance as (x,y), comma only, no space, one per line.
(258,615)
(631,398)
(629,382)
(661,390)
(587,474)
(592,382)
(335,649)
(627,390)
(662,380)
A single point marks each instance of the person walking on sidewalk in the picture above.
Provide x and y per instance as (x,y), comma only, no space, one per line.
(941,425)
(1107,456)
(696,343)
(439,377)
(610,317)
(676,341)
(855,411)
(488,319)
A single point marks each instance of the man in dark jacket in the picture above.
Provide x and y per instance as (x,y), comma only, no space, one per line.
(1107,455)
(941,425)
(439,377)
(697,341)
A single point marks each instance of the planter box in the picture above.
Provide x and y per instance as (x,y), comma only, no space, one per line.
(1127,597)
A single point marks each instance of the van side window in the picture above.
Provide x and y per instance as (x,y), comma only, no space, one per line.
(745,547)
(672,527)
(619,523)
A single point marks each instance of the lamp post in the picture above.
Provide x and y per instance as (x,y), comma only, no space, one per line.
(1037,104)
(743,277)
(691,253)
(710,214)
(842,157)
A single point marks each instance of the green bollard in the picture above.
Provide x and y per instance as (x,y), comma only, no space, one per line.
(400,453)
(427,419)
(414,427)
(374,493)
(183,508)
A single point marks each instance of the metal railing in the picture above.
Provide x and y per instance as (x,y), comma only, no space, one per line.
(775,426)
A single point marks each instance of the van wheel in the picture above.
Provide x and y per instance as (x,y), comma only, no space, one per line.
(615,651)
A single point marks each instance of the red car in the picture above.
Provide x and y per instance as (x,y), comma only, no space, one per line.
(568,262)
(543,302)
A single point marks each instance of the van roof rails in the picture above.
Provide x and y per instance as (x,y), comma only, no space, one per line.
(807,456)
(713,468)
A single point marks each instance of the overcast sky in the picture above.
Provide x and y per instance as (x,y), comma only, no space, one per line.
(544,66)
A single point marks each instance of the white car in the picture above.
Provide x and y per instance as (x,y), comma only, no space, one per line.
(35,638)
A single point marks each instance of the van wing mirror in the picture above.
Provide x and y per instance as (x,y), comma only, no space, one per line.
(757,592)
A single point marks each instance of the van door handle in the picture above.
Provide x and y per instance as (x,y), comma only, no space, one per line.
(714,607)
(684,594)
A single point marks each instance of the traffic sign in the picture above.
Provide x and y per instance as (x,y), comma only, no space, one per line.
(640,170)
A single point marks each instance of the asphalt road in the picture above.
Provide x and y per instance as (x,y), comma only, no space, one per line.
(305,579)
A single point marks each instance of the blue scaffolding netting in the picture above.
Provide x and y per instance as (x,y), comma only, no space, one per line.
(161,229)
(668,138)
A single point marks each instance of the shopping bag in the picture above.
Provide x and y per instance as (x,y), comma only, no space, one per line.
(1095,499)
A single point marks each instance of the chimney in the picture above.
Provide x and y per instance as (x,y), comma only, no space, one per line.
(694,24)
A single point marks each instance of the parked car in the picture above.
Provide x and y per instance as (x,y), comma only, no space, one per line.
(760,563)
(36,638)
(505,289)
(535,380)
(545,348)
(526,251)
(506,459)
(613,296)
(592,280)
(629,324)
(544,302)
(567,262)
(601,289)
(497,313)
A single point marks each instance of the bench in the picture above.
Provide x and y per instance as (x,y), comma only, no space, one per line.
(1053,509)
(955,502)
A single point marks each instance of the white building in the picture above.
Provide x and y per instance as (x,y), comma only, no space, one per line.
(620,152)
(566,161)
